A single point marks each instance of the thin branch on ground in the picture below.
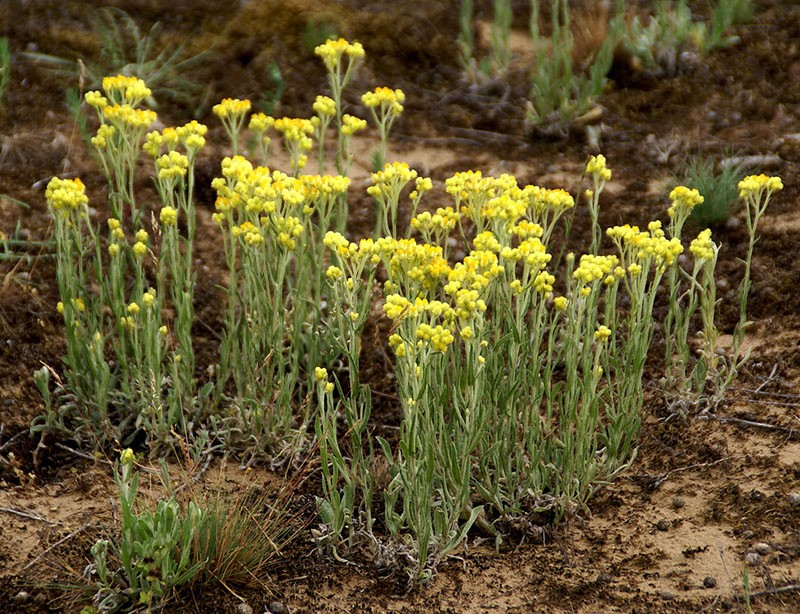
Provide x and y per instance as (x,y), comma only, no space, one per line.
(774,591)
(28,514)
(745,423)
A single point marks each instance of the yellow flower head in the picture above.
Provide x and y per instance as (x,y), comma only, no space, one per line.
(324,106)
(602,333)
(231,107)
(127,457)
(168,216)
(125,90)
(754,185)
(703,247)
(332,52)
(321,374)
(596,166)
(683,200)
(386,98)
(351,124)
(65,195)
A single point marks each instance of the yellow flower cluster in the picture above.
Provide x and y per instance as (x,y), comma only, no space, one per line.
(324,106)
(683,201)
(66,195)
(296,129)
(351,124)
(602,333)
(127,116)
(385,97)
(594,268)
(261,122)
(644,246)
(231,107)
(104,134)
(542,200)
(439,337)
(444,220)
(124,90)
(172,165)
(596,166)
(703,247)
(168,216)
(390,180)
(754,185)
(332,51)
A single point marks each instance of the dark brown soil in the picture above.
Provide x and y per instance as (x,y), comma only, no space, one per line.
(701,492)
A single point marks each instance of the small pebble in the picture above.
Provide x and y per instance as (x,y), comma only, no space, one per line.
(667,595)
(678,502)
(794,498)
(22,597)
(276,607)
(709,581)
(762,548)
(244,608)
(662,525)
(752,559)
(603,578)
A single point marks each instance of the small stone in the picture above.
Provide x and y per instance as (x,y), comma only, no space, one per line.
(662,525)
(752,559)
(709,582)
(748,534)
(794,499)
(22,597)
(276,607)
(762,548)
(603,578)
(667,595)
(678,502)
(244,608)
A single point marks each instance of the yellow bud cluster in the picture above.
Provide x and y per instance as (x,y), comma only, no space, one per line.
(486,241)
(139,249)
(126,115)
(65,195)
(593,268)
(231,107)
(683,200)
(96,99)
(168,216)
(172,165)
(444,220)
(104,134)
(324,106)
(703,247)
(439,337)
(296,129)
(596,166)
(390,180)
(385,97)
(754,185)
(525,229)
(351,124)
(543,282)
(332,51)
(602,333)
(261,122)
(127,90)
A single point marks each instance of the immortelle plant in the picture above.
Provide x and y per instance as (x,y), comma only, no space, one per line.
(492,447)
(149,383)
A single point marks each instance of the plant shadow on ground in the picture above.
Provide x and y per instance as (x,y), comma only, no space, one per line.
(700,496)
